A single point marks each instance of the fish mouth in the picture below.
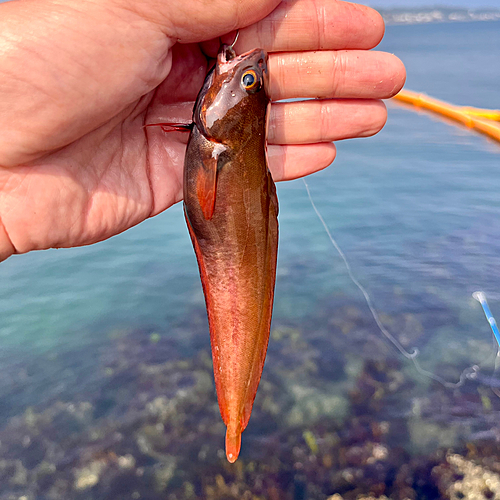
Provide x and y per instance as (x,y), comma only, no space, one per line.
(227,58)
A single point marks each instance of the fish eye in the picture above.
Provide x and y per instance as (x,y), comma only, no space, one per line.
(249,80)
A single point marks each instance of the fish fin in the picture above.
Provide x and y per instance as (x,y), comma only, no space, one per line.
(172,127)
(233,444)
(267,298)
(201,264)
(223,406)
(206,183)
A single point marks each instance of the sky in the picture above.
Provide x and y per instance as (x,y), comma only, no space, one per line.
(472,4)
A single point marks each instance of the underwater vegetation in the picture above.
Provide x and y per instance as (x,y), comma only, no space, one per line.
(338,416)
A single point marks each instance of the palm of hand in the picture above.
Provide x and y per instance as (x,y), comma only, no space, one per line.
(114,176)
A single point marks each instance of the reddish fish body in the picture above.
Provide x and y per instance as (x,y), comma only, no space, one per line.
(231,210)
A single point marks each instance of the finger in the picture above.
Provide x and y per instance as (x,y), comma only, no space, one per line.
(285,163)
(356,73)
(309,122)
(314,25)
(291,162)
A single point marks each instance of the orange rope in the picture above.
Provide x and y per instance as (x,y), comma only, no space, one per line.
(475,118)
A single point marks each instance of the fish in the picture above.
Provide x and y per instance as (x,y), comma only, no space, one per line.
(231,210)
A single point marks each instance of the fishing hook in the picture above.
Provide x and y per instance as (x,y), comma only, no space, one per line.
(235,39)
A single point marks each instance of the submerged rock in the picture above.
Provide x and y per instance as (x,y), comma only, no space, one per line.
(330,421)
(461,478)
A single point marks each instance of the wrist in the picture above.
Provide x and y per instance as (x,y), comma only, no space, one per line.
(6,247)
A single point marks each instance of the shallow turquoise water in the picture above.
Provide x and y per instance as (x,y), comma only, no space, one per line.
(416,210)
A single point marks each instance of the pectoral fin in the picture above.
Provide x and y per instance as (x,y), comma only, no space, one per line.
(172,127)
(206,185)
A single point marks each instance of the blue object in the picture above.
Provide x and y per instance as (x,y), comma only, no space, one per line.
(481,298)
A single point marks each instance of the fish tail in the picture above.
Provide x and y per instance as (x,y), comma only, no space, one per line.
(233,442)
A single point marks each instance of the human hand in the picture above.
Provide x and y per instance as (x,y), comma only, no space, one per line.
(79,80)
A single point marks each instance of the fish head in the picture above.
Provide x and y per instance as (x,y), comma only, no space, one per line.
(236,88)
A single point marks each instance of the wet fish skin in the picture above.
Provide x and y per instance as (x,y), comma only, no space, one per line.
(231,210)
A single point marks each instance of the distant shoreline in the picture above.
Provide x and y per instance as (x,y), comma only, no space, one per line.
(437,15)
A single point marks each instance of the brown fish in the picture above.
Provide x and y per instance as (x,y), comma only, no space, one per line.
(231,211)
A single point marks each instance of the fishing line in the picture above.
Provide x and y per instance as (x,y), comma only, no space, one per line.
(408,355)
